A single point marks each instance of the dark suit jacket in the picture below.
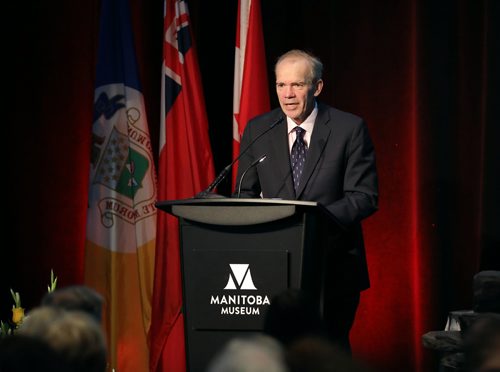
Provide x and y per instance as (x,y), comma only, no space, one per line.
(339,173)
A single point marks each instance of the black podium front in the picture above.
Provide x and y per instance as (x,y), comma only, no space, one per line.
(236,255)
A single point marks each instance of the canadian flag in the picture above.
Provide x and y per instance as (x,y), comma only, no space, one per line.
(251,90)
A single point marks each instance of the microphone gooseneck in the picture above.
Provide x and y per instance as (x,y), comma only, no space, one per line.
(254,163)
(207,193)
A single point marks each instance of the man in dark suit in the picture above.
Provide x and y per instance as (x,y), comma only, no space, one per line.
(315,152)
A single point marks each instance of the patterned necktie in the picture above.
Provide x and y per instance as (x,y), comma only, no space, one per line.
(298,156)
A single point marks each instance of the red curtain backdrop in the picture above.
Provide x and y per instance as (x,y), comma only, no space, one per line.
(424,75)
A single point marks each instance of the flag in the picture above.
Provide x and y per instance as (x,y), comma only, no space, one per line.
(185,168)
(121,218)
(251,90)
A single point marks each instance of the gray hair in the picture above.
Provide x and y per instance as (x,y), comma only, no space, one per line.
(259,353)
(315,65)
(75,335)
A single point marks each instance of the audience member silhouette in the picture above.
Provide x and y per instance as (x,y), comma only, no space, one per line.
(19,353)
(74,335)
(318,354)
(76,297)
(258,353)
(292,315)
(481,344)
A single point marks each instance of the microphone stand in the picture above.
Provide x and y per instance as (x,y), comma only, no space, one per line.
(207,193)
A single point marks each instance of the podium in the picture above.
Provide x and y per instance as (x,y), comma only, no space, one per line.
(236,255)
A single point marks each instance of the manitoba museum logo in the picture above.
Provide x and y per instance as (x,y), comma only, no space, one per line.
(240,279)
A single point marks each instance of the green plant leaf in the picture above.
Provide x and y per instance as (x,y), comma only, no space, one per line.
(16,297)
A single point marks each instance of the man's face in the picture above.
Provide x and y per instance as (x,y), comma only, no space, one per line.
(295,89)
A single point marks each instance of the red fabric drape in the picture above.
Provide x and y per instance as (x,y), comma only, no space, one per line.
(423,74)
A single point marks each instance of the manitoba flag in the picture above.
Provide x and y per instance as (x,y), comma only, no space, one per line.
(251,90)
(121,218)
(185,168)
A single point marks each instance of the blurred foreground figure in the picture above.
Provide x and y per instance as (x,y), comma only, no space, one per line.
(482,344)
(254,354)
(318,354)
(74,335)
(20,353)
(76,297)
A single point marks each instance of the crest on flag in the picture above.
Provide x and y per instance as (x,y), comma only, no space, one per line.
(121,159)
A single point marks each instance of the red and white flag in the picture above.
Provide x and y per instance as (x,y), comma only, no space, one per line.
(251,90)
(185,168)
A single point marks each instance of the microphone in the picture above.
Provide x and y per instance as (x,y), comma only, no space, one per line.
(254,163)
(207,193)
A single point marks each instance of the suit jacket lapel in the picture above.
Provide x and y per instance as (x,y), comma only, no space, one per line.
(319,138)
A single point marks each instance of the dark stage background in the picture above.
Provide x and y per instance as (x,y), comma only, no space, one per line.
(424,75)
